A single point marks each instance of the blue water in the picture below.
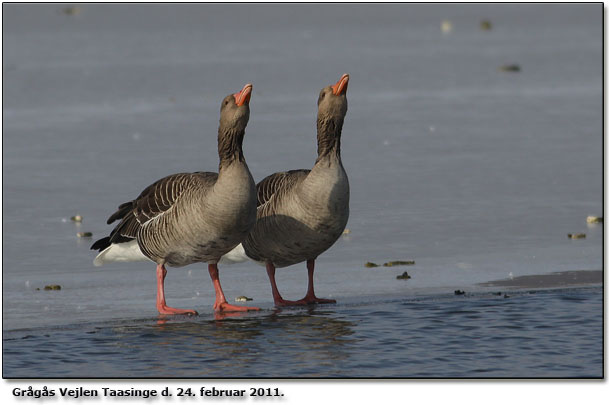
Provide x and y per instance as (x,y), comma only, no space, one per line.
(529,334)
(475,173)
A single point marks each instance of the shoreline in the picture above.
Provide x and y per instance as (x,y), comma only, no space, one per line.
(558,279)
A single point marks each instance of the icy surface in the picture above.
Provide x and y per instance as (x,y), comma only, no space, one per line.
(474,173)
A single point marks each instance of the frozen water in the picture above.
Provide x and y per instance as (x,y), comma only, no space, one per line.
(472,172)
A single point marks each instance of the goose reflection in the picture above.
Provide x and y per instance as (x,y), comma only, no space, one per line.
(313,342)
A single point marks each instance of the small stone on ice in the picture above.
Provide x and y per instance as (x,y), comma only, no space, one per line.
(447,26)
(594,220)
(399,263)
(510,68)
(403,276)
(486,25)
(72,10)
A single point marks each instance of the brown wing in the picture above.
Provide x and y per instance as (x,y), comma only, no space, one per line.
(154,201)
(278,183)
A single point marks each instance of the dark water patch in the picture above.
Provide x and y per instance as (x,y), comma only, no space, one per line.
(535,335)
(571,298)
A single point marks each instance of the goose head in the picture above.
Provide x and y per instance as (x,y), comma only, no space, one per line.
(332,101)
(235,109)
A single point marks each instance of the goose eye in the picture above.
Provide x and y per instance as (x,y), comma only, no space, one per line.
(321,97)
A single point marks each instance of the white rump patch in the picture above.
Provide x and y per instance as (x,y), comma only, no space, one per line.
(121,252)
(237,255)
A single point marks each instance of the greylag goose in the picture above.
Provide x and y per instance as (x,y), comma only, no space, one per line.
(188,218)
(301,213)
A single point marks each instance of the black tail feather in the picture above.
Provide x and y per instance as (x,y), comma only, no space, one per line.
(115,236)
(123,210)
(101,244)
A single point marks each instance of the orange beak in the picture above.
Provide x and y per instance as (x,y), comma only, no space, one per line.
(341,86)
(244,95)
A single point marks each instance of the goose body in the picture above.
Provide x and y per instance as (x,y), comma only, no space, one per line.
(301,213)
(171,221)
(187,218)
(305,213)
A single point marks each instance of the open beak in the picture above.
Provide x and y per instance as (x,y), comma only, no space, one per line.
(341,86)
(244,95)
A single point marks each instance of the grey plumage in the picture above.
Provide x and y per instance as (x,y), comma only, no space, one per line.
(277,183)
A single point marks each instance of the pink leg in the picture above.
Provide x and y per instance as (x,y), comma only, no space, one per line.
(221,304)
(279,301)
(310,298)
(161,306)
